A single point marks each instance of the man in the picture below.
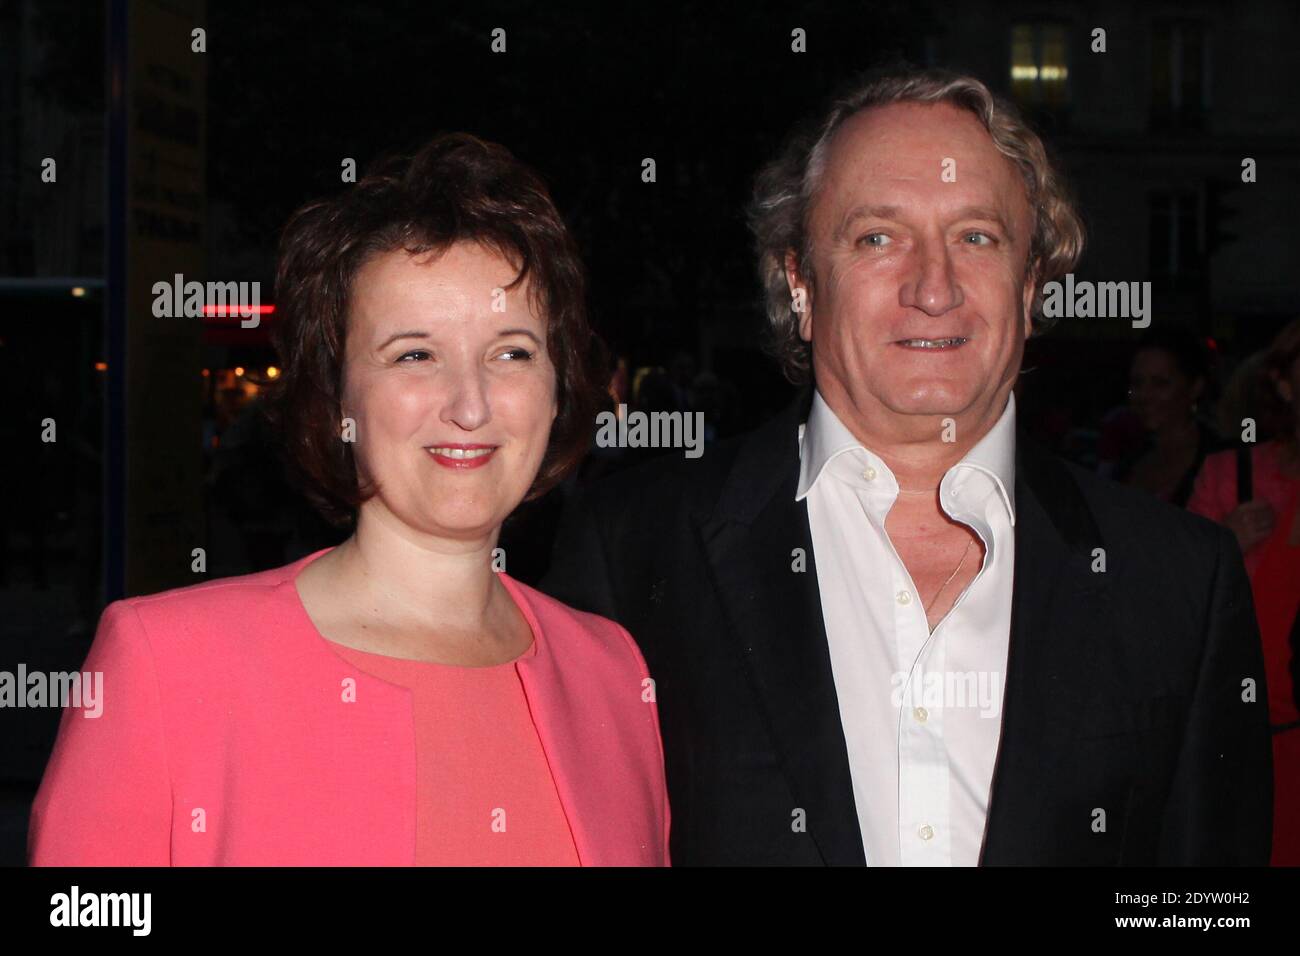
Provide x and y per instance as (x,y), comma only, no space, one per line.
(884,630)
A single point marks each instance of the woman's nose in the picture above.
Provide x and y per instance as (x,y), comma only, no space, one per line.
(466,403)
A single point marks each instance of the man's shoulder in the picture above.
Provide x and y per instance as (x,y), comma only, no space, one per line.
(1128,516)
(673,483)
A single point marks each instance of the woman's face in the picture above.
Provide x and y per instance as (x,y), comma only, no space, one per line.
(448,379)
(1159,392)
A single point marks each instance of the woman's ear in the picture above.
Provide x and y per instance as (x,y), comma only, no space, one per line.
(1283,387)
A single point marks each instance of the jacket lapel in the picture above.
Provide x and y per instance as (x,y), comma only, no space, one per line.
(586,727)
(775,619)
(1058,603)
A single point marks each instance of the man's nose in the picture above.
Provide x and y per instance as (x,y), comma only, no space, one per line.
(466,402)
(932,287)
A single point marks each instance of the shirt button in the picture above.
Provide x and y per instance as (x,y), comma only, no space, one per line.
(904,597)
(921,715)
(926,832)
(869,473)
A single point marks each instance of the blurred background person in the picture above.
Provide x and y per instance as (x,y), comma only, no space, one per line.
(1260,508)
(1168,383)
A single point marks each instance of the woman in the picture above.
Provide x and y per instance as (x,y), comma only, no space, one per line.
(1266,521)
(398,699)
(1166,380)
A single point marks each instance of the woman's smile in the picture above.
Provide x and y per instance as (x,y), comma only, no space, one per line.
(462,456)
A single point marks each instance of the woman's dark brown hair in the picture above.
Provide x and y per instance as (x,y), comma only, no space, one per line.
(457,188)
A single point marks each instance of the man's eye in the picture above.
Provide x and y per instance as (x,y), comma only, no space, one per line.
(874,239)
(418,352)
(987,240)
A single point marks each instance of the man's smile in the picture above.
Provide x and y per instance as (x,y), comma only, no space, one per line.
(946,344)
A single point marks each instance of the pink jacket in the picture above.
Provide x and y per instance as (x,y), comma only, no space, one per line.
(1214,495)
(228,738)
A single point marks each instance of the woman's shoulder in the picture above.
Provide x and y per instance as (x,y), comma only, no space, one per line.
(222,607)
(1220,466)
(1268,456)
(1221,459)
(1221,463)
(201,639)
(571,631)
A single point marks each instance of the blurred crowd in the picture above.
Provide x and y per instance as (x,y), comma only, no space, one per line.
(1232,457)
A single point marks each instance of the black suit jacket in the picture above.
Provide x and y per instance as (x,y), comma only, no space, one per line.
(1124,687)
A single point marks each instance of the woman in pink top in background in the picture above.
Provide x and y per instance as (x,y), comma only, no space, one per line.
(398,699)
(1267,527)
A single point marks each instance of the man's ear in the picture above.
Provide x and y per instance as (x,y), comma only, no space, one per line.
(800,294)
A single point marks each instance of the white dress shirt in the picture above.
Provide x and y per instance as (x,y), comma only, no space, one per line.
(922,711)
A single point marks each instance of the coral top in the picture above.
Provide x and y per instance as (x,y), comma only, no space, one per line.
(484,792)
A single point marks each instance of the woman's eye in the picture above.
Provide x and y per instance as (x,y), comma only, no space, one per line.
(422,355)
(517,354)
(874,239)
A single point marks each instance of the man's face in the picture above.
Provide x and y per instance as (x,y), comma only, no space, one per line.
(920,244)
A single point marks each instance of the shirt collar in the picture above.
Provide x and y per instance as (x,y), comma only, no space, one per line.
(824,437)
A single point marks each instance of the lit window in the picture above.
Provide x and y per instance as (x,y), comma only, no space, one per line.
(1040,70)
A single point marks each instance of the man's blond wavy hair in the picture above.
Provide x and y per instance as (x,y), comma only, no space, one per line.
(785,189)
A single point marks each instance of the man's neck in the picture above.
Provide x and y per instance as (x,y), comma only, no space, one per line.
(919,449)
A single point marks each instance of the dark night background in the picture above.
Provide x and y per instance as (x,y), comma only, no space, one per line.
(1152,134)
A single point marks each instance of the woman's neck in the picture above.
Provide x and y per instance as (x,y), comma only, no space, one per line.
(1177,436)
(419,581)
